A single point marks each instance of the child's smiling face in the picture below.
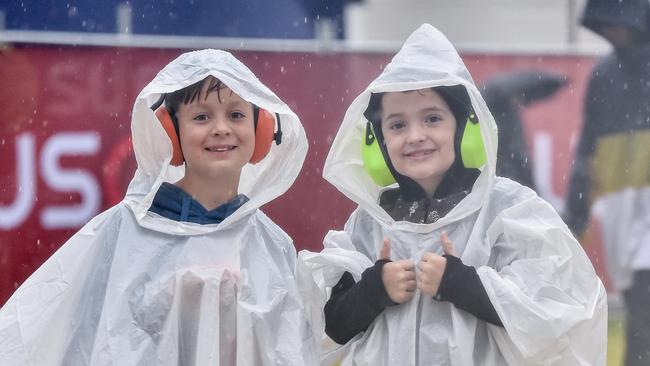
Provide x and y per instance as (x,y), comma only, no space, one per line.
(419,129)
(217,133)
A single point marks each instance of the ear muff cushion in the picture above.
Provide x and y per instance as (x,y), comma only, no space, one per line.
(472,150)
(264,130)
(167,123)
(373,159)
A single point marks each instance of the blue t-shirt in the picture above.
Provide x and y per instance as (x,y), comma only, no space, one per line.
(175,204)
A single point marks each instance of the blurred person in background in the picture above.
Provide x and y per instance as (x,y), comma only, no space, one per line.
(611,172)
(506,96)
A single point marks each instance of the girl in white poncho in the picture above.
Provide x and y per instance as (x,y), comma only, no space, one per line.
(452,265)
(186,270)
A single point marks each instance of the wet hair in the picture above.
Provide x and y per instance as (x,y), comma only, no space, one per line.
(191,93)
(457,178)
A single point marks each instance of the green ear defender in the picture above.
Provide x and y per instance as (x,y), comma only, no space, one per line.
(373,159)
(472,151)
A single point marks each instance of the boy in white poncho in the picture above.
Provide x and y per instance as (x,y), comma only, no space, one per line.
(186,270)
(452,265)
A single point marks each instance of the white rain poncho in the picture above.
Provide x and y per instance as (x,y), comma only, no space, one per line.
(134,288)
(541,283)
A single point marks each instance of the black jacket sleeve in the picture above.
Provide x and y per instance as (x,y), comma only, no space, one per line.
(352,307)
(461,285)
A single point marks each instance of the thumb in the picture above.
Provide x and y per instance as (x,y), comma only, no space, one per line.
(447,245)
(384,254)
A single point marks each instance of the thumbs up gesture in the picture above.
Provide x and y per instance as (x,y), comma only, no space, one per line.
(432,266)
(398,276)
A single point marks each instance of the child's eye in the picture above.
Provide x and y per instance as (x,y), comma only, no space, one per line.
(396,125)
(237,115)
(432,119)
(201,117)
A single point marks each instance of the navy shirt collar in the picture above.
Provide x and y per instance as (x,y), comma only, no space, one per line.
(175,204)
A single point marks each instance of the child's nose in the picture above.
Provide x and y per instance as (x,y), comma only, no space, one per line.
(220,127)
(415,133)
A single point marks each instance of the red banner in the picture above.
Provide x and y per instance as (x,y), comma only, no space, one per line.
(65,135)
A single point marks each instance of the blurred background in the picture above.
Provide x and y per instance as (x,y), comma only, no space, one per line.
(70,71)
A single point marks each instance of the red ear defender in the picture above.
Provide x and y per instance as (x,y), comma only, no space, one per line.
(167,123)
(265,134)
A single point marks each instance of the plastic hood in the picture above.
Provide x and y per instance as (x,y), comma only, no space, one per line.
(261,182)
(427,59)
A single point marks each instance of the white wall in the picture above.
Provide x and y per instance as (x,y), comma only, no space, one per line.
(501,25)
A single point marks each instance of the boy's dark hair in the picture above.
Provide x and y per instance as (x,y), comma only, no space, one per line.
(458,177)
(188,95)
(191,93)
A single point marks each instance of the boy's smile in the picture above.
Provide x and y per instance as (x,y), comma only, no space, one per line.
(419,130)
(221,148)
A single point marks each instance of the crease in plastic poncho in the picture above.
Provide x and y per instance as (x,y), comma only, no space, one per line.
(134,288)
(541,283)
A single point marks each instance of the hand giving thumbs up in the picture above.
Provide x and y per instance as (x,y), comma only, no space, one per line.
(398,276)
(432,267)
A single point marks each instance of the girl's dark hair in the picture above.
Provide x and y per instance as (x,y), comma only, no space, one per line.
(457,178)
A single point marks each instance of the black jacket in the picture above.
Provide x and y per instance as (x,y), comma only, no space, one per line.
(353,306)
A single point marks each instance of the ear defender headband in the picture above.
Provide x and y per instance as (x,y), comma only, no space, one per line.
(472,152)
(263,121)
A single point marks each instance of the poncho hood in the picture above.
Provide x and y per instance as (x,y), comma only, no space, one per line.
(427,59)
(261,182)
